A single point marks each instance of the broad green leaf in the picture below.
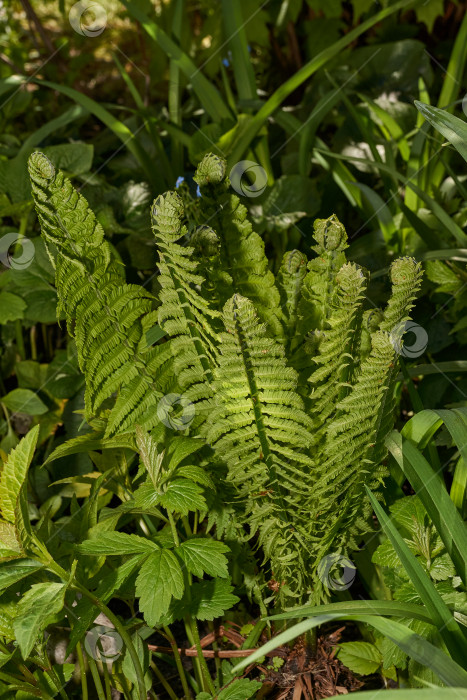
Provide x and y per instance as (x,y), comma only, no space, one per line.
(182,447)
(13,571)
(73,158)
(15,472)
(117,543)
(182,496)
(36,607)
(204,601)
(204,556)
(24,401)
(160,579)
(452,128)
(196,474)
(360,657)
(11,307)
(440,613)
(241,689)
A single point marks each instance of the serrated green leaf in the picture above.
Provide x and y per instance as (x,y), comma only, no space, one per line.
(360,657)
(385,555)
(204,556)
(24,401)
(204,601)
(180,448)
(241,689)
(197,474)
(36,607)
(15,472)
(13,571)
(182,496)
(116,543)
(159,580)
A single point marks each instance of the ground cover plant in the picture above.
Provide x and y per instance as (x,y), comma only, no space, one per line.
(232,332)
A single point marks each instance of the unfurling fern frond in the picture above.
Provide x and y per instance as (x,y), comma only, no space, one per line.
(242,249)
(317,292)
(289,282)
(258,426)
(337,353)
(184,313)
(108,318)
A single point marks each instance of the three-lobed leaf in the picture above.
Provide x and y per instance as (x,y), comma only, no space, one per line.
(204,556)
(160,579)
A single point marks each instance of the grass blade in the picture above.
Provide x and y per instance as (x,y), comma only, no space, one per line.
(360,607)
(208,95)
(440,614)
(304,74)
(452,128)
(235,37)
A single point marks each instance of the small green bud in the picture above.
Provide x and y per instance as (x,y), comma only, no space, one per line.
(205,241)
(211,170)
(330,233)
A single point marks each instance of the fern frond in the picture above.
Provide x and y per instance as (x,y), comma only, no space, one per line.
(317,291)
(337,353)
(242,249)
(107,318)
(184,313)
(339,504)
(258,426)
(289,283)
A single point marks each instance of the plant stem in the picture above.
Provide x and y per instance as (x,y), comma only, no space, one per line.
(159,675)
(208,685)
(82,668)
(178,662)
(96,679)
(19,340)
(173,528)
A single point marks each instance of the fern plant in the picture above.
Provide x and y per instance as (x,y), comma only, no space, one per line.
(289,381)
